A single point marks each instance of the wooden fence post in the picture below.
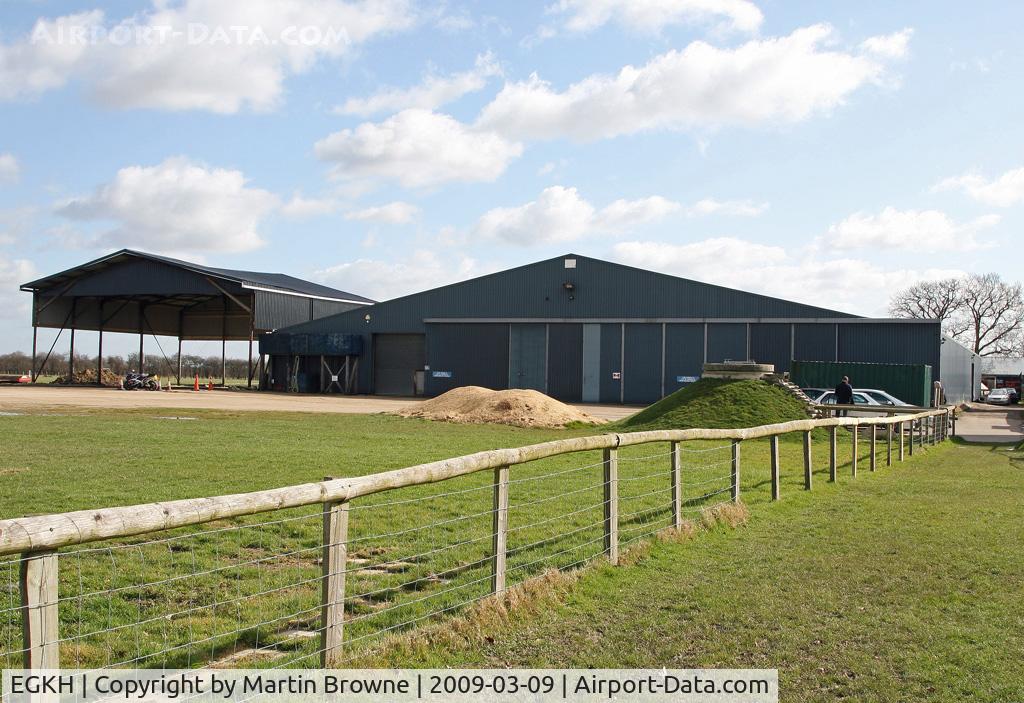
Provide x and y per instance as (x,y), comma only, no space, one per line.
(774,448)
(808,462)
(39,602)
(911,432)
(853,444)
(873,461)
(899,427)
(335,558)
(677,486)
(499,542)
(611,505)
(736,471)
(953,413)
(888,444)
(832,453)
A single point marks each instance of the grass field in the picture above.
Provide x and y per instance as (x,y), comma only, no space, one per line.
(787,590)
(903,585)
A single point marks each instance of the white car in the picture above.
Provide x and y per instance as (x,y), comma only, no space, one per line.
(859,398)
(1000,396)
(881,397)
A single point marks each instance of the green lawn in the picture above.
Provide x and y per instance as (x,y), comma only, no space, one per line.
(904,578)
(903,585)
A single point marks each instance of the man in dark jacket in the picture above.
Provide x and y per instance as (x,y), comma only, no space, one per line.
(844,395)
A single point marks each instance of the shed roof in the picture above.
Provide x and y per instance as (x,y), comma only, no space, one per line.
(247,279)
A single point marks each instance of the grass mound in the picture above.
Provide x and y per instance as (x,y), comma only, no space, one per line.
(717,403)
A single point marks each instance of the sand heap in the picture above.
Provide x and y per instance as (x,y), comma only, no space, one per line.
(522,408)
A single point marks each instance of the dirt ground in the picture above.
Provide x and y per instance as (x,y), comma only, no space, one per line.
(15,398)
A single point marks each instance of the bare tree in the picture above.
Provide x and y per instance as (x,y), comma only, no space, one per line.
(929,300)
(982,312)
(993,312)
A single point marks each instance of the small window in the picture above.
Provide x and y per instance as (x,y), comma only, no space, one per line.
(570,263)
(859,399)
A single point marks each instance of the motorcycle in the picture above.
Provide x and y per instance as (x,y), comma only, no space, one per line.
(140,382)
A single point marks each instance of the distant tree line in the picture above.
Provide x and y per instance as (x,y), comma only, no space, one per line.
(982,312)
(57,364)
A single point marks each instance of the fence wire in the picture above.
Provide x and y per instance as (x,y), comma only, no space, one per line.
(248,591)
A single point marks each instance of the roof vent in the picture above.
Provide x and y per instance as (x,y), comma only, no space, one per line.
(570,263)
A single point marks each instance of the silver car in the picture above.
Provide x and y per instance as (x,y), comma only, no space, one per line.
(1000,396)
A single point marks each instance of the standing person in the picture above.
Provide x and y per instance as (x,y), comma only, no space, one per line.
(844,395)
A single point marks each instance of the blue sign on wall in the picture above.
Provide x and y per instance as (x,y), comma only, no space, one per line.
(686,379)
(441,374)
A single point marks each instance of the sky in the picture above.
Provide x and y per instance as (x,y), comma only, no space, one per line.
(824,152)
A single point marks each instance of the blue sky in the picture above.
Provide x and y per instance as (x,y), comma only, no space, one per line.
(829,152)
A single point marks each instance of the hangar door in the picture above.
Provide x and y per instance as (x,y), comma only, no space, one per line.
(396,359)
(527,356)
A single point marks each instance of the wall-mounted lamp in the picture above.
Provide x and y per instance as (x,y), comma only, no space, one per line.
(367,318)
(570,288)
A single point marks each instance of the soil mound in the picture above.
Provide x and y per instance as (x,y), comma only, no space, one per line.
(522,408)
(87,377)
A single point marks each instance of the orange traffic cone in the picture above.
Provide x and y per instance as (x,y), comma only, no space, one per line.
(195,386)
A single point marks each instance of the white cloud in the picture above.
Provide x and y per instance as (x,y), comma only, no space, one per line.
(396,213)
(195,54)
(651,16)
(15,223)
(13,273)
(783,79)
(917,230)
(301,207)
(1004,191)
(738,208)
(418,148)
(843,284)
(559,214)
(432,93)
(889,46)
(420,270)
(10,170)
(176,206)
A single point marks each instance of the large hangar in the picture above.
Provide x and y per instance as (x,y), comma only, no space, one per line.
(584,330)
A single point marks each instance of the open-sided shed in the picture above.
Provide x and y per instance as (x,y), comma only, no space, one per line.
(140,293)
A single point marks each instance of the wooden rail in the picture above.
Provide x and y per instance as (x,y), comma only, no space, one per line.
(37,538)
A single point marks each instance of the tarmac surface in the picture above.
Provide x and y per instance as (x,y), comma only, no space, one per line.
(26,397)
(991,424)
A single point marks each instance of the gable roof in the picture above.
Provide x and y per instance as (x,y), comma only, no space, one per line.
(277,282)
(603,289)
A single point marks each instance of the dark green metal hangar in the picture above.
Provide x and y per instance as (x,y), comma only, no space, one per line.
(578,329)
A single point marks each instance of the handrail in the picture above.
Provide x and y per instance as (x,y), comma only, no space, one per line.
(49,532)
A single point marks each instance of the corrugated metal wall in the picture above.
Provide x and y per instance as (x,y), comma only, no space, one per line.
(565,362)
(684,354)
(770,344)
(961,372)
(641,374)
(815,342)
(727,341)
(475,355)
(611,363)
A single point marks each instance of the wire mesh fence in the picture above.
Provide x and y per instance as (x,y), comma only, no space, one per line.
(255,591)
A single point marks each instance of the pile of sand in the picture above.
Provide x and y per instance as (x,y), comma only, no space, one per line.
(521,408)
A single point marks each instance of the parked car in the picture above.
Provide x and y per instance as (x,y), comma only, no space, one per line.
(881,397)
(1000,396)
(859,398)
(814,393)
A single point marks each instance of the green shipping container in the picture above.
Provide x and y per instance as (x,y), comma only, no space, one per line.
(911,383)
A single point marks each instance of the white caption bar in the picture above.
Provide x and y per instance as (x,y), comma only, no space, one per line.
(393,685)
